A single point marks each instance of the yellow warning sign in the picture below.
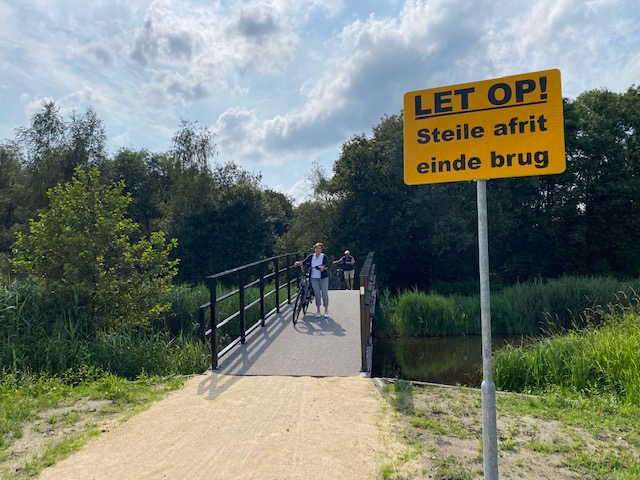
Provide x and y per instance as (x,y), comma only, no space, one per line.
(505,127)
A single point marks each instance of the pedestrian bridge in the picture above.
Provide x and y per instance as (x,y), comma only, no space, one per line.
(316,347)
(251,339)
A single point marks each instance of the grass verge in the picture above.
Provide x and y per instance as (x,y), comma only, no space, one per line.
(557,435)
(43,419)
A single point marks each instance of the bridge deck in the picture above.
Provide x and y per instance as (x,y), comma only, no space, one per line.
(317,347)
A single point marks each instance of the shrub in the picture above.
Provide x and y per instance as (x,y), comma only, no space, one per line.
(82,249)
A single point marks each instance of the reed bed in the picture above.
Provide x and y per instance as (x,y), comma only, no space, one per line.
(38,335)
(536,308)
(597,359)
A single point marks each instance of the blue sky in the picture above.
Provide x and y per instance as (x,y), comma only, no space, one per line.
(284,83)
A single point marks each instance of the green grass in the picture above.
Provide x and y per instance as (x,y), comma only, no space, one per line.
(451,468)
(599,360)
(595,436)
(26,398)
(38,335)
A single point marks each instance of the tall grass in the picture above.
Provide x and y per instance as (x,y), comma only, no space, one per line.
(38,335)
(597,359)
(420,314)
(535,308)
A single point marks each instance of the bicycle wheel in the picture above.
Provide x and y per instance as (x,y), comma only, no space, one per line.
(300,300)
(307,299)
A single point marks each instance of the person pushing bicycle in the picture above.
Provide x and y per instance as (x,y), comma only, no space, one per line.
(318,262)
(348,267)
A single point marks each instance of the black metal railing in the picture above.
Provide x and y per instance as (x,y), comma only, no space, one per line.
(231,286)
(368,301)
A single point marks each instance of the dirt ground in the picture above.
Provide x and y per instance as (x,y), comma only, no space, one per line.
(278,427)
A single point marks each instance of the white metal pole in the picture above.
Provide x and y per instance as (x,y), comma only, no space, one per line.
(488,388)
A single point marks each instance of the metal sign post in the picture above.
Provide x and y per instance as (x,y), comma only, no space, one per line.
(487,388)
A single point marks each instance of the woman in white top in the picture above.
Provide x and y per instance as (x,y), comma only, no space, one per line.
(318,264)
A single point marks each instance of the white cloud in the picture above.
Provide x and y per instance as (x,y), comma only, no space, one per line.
(283,83)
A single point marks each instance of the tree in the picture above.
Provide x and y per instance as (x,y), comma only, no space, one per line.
(53,148)
(228,226)
(86,139)
(192,147)
(421,234)
(146,178)
(311,222)
(45,134)
(11,184)
(81,247)
(602,183)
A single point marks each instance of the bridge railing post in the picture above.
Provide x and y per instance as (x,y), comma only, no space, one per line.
(262,316)
(367,306)
(201,324)
(277,284)
(214,324)
(288,279)
(243,331)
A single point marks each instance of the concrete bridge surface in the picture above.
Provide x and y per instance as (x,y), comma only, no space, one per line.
(317,347)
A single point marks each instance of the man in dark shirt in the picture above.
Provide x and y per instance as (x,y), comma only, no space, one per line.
(348,267)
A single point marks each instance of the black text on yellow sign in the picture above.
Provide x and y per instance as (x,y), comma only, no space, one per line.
(505,127)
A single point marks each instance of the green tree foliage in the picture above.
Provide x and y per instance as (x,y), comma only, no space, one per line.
(583,221)
(192,147)
(11,181)
(45,134)
(86,139)
(53,148)
(311,222)
(81,247)
(227,225)
(278,210)
(146,178)
(602,183)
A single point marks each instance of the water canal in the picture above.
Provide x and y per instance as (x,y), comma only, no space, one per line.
(444,360)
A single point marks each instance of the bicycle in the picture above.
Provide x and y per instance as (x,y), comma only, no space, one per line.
(304,296)
(336,279)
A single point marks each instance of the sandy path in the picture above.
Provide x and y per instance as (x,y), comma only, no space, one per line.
(231,427)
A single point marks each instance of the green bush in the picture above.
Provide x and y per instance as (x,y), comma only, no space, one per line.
(82,250)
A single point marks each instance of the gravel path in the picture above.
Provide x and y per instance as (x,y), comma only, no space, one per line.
(231,427)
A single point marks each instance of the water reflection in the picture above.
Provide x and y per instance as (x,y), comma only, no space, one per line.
(445,360)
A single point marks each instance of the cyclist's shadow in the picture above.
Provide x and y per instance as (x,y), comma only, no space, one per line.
(319,326)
